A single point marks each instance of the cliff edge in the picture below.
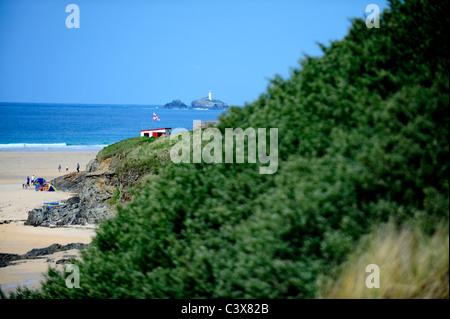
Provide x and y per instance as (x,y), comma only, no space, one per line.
(108,180)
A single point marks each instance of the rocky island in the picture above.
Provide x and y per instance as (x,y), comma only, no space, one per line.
(175,104)
(209,103)
(206,103)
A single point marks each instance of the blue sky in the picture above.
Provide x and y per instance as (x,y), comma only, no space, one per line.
(151,52)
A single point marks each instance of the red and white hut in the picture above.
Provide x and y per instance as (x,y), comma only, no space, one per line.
(156,132)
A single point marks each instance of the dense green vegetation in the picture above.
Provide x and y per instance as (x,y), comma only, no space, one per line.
(124,147)
(363,137)
(141,155)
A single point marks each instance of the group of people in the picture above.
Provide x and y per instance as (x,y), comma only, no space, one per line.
(29,180)
(32,181)
(67,168)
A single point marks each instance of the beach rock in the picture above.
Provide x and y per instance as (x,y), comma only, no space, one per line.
(35,217)
(6,259)
(95,187)
(72,182)
(73,200)
(63,261)
(36,252)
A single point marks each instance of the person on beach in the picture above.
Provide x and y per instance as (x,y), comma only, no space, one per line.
(59,168)
(78,167)
(25,186)
(32,179)
(67,168)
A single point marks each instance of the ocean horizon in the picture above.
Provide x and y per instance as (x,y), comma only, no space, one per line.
(85,127)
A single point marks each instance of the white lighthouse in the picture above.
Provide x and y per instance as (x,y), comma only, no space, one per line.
(209,95)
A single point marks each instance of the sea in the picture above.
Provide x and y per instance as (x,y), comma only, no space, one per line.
(82,127)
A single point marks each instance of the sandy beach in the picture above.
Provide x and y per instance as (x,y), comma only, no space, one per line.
(15,202)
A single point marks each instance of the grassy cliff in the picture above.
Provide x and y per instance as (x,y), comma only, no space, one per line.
(143,154)
(133,161)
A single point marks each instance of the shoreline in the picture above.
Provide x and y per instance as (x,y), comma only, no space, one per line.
(20,164)
(15,202)
(18,147)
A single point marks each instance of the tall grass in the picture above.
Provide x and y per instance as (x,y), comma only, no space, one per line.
(138,154)
(411,263)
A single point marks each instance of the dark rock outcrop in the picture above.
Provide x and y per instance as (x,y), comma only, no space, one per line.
(36,252)
(175,104)
(95,190)
(6,259)
(94,187)
(63,261)
(72,182)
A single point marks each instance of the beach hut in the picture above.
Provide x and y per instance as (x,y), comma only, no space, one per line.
(157,132)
